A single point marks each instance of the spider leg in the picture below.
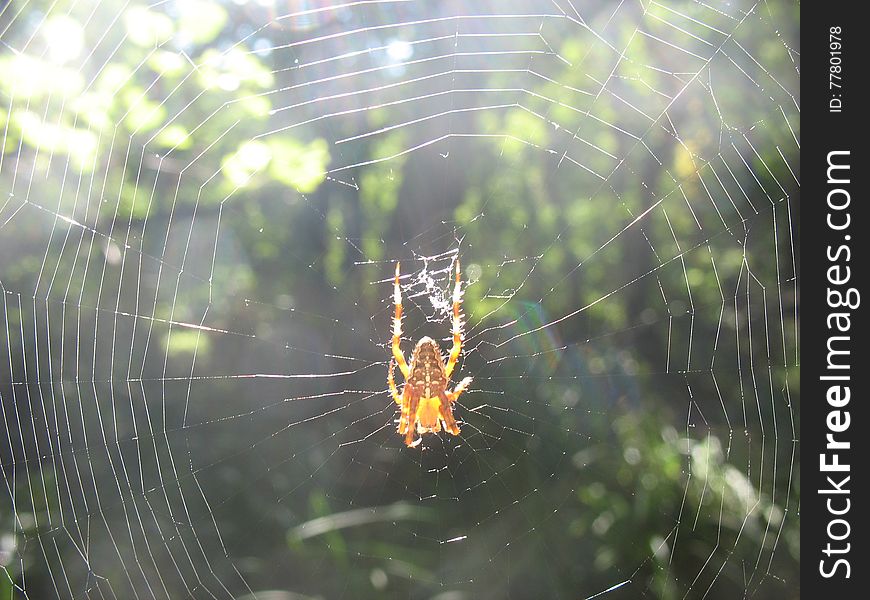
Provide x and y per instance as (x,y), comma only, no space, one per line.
(457,325)
(461,387)
(446,412)
(407,427)
(394,391)
(397,328)
(404,416)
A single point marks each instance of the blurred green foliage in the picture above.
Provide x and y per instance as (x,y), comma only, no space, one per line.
(577,479)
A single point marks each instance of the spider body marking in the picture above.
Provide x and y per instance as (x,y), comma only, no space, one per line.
(428,378)
(426,400)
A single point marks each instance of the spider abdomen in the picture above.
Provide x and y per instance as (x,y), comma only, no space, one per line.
(427,369)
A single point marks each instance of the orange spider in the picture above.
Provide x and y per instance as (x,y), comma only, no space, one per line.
(425,400)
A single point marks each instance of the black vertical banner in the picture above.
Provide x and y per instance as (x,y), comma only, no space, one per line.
(834,426)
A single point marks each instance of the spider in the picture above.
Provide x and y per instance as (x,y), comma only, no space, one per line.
(426,403)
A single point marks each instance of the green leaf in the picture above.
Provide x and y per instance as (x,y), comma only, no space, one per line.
(167,64)
(64,38)
(33,78)
(82,146)
(133,202)
(143,114)
(258,106)
(302,167)
(251,158)
(233,69)
(146,27)
(525,127)
(114,77)
(79,144)
(185,341)
(201,21)
(173,136)
(94,108)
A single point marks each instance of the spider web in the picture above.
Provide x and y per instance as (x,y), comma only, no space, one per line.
(203,204)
